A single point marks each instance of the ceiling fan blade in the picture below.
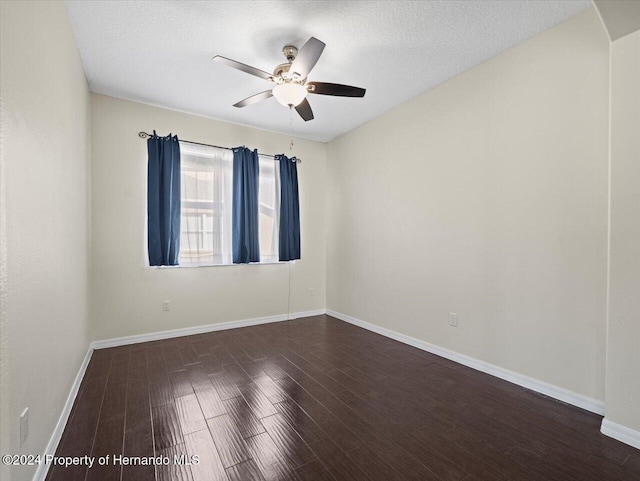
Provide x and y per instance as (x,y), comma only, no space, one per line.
(338,90)
(307,57)
(254,98)
(304,109)
(245,68)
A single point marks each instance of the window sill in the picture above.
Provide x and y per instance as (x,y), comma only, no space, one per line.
(220,265)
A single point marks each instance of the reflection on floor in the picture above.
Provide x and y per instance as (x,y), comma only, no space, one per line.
(319,399)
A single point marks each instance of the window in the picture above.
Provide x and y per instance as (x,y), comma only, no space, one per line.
(205,224)
(268,209)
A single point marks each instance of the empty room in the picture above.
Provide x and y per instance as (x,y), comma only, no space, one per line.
(320,240)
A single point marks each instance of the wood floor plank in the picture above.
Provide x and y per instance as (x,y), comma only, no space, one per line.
(166,426)
(221,354)
(209,400)
(314,471)
(209,466)
(77,439)
(272,462)
(115,398)
(71,473)
(272,369)
(444,466)
(330,424)
(247,471)
(190,414)
(247,423)
(198,374)
(100,363)
(181,382)
(161,391)
(372,465)
(258,402)
(138,411)
(210,364)
(108,442)
(336,462)
(274,392)
(201,348)
(288,441)
(174,471)
(300,421)
(138,473)
(172,358)
(138,442)
(248,366)
(225,385)
(231,446)
(188,354)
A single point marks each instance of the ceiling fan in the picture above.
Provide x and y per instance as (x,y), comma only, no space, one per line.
(291,87)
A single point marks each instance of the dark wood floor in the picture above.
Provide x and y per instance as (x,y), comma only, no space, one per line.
(319,399)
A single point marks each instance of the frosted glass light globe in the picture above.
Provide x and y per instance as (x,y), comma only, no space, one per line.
(289,94)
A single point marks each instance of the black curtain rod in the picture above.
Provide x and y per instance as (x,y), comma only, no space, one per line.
(144,135)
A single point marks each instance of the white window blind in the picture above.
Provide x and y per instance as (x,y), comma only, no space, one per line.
(269,209)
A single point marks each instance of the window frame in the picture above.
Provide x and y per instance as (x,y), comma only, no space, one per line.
(261,207)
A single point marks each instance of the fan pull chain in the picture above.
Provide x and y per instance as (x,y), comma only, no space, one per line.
(291,126)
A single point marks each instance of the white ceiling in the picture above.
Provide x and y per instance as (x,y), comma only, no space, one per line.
(159,52)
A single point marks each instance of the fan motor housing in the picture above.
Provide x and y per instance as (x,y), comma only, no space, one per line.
(282,70)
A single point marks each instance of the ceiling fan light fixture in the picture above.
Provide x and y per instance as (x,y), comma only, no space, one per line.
(291,79)
(289,94)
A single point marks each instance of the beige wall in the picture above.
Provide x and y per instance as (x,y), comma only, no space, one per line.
(127,298)
(623,334)
(486,196)
(45,213)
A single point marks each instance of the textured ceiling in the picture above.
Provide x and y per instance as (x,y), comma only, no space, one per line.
(159,52)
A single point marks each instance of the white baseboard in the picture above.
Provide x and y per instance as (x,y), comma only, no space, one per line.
(187,331)
(298,315)
(621,433)
(564,395)
(52,445)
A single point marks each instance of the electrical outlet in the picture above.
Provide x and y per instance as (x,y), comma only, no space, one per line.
(312,292)
(453,319)
(165,305)
(24,426)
